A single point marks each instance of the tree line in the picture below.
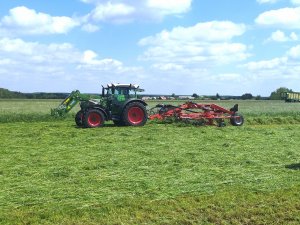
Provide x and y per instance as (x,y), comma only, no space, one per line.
(275,95)
(7,94)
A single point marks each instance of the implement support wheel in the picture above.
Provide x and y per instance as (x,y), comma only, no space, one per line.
(237,119)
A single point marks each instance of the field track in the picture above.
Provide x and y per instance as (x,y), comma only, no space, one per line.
(52,172)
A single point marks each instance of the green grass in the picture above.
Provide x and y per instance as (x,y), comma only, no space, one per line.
(52,172)
(16,110)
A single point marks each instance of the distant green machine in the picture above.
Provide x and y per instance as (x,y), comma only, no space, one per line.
(118,103)
(290,96)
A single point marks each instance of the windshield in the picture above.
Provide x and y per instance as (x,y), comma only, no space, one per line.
(121,91)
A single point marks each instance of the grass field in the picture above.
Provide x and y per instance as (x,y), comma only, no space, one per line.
(52,172)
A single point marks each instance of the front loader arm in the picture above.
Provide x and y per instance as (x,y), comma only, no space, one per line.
(69,103)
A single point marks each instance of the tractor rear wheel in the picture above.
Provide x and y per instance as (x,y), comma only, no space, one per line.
(237,119)
(93,118)
(134,114)
(79,118)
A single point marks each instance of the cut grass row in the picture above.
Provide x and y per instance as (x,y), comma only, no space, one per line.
(263,119)
(55,173)
(226,207)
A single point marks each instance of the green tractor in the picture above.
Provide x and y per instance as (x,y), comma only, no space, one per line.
(118,103)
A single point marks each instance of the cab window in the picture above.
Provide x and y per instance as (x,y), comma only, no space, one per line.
(132,93)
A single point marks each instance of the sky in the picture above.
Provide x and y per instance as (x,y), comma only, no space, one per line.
(229,47)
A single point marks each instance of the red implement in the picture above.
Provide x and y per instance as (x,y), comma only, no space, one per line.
(202,113)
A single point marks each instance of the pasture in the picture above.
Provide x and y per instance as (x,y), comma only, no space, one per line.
(52,172)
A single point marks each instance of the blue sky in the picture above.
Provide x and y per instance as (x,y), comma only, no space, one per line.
(230,47)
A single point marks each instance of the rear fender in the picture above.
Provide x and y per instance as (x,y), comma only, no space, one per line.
(134,100)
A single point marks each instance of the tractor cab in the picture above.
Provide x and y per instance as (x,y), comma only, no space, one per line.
(119,96)
(121,92)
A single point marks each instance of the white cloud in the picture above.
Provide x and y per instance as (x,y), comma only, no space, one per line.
(125,11)
(295,2)
(266,64)
(267,1)
(93,1)
(22,20)
(195,55)
(25,21)
(228,77)
(89,56)
(37,65)
(114,12)
(214,31)
(294,36)
(90,28)
(168,67)
(91,60)
(205,43)
(294,52)
(280,36)
(35,53)
(6,61)
(87,1)
(285,69)
(167,7)
(288,18)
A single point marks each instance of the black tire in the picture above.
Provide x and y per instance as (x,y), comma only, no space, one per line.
(134,114)
(79,118)
(93,118)
(237,119)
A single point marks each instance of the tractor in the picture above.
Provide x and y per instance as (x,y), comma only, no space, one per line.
(118,103)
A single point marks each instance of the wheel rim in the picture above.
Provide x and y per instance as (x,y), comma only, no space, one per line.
(135,115)
(238,120)
(94,119)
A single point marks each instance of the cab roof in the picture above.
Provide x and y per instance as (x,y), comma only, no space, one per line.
(131,86)
(134,87)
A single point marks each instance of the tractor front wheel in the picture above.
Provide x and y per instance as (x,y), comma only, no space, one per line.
(237,119)
(93,118)
(79,118)
(135,114)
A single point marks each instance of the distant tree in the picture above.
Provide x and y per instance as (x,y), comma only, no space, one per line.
(218,96)
(5,93)
(276,95)
(195,95)
(173,95)
(258,97)
(247,96)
